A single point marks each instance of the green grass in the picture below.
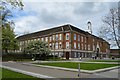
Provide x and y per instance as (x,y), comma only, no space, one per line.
(84,66)
(8,74)
(104,60)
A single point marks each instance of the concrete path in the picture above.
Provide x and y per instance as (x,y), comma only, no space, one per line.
(55,73)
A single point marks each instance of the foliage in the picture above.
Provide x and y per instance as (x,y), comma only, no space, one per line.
(9,41)
(6,11)
(110,28)
(8,36)
(16,57)
(38,47)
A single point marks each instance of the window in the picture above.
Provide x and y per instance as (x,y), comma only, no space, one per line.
(82,38)
(67,36)
(85,47)
(56,37)
(38,39)
(46,39)
(56,46)
(50,45)
(50,38)
(75,54)
(93,47)
(78,37)
(53,46)
(78,45)
(67,45)
(60,37)
(88,47)
(34,39)
(60,45)
(82,47)
(93,40)
(74,36)
(85,39)
(42,39)
(74,45)
(53,37)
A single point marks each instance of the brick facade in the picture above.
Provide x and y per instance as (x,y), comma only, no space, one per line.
(69,42)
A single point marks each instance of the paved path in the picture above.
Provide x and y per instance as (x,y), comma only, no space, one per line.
(59,73)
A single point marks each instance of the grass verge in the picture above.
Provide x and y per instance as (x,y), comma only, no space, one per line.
(74,65)
(104,60)
(8,74)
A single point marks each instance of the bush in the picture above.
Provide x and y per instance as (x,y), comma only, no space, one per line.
(15,57)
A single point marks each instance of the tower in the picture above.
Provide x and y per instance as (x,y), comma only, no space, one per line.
(89,27)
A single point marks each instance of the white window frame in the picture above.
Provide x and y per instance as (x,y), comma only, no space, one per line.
(56,37)
(74,45)
(78,37)
(56,45)
(74,36)
(67,36)
(53,37)
(67,45)
(78,45)
(50,38)
(75,54)
(60,47)
(81,38)
(46,39)
(60,38)
(42,39)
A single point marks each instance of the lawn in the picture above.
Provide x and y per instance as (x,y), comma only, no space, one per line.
(104,60)
(74,65)
(8,74)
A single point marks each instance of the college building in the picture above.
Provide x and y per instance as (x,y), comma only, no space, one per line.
(69,42)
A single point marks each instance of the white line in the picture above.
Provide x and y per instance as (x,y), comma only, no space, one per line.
(26,72)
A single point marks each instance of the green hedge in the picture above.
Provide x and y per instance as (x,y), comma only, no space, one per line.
(16,56)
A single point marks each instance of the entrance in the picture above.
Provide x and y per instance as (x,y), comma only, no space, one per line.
(67,55)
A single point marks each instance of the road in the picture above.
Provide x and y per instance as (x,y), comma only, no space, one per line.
(60,73)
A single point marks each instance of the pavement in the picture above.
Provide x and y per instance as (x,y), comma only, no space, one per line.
(51,73)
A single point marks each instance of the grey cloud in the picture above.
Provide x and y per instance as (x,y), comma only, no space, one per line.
(89,8)
(51,17)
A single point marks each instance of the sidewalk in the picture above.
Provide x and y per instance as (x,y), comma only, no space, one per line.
(27,72)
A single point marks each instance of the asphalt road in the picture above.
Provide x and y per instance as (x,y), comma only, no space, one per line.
(60,73)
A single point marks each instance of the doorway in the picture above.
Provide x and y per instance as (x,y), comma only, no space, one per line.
(67,55)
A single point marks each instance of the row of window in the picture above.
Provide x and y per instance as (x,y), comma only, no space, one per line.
(75,37)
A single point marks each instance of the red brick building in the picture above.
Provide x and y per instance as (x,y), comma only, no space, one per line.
(69,42)
(115,53)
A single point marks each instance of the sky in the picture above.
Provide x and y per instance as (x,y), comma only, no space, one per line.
(39,15)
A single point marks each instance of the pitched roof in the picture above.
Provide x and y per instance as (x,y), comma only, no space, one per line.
(63,28)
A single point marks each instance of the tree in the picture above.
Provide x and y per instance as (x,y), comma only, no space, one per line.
(8,36)
(5,11)
(109,30)
(9,41)
(38,47)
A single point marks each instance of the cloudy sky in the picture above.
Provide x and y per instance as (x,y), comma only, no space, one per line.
(41,15)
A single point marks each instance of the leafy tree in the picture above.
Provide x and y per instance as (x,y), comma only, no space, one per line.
(8,36)
(38,47)
(6,11)
(9,41)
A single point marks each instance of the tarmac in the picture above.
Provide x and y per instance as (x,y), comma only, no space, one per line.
(48,72)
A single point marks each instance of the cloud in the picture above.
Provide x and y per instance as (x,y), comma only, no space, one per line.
(43,15)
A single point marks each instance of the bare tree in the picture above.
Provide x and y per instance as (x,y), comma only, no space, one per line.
(110,28)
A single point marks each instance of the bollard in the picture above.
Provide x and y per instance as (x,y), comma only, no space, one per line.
(79,70)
